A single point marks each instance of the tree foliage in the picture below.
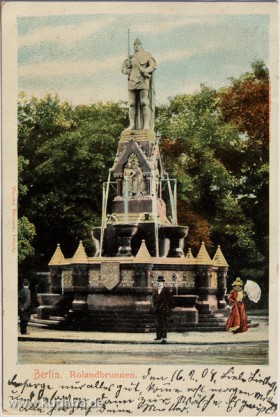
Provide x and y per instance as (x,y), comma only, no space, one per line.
(26,233)
(215,142)
(245,103)
(69,152)
(26,229)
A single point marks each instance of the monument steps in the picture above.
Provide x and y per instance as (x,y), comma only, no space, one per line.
(121,327)
(213,320)
(208,329)
(212,323)
(128,321)
(214,313)
(129,315)
(46,322)
(57,318)
(135,321)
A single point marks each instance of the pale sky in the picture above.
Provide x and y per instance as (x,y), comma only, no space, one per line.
(79,57)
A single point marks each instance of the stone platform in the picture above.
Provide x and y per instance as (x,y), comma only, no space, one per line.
(114,294)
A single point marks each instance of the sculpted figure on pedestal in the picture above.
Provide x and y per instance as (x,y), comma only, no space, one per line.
(137,180)
(129,173)
(139,67)
(134,181)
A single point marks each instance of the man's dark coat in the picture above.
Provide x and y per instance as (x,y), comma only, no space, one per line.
(24,303)
(163,304)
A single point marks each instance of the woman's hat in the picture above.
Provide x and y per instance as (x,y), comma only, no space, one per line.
(160,278)
(238,281)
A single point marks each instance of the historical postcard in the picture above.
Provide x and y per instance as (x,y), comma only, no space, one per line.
(140,208)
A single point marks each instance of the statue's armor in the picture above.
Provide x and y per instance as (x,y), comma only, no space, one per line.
(139,68)
(136,81)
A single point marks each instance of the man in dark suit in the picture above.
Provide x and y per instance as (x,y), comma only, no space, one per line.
(24,306)
(162,303)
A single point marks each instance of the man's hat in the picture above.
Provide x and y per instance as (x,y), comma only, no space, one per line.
(137,40)
(238,281)
(160,278)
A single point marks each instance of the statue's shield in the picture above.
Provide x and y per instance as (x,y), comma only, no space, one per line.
(110,274)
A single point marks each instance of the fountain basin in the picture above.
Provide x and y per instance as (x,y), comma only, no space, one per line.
(125,230)
(175,232)
(124,233)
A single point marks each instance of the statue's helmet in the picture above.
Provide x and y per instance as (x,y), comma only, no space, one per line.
(137,41)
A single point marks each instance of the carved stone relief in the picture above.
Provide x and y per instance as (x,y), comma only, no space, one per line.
(94,278)
(134,183)
(214,279)
(127,279)
(180,278)
(110,274)
(67,279)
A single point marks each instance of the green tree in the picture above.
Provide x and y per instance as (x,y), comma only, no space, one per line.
(206,154)
(26,233)
(245,104)
(214,142)
(26,230)
(38,121)
(68,165)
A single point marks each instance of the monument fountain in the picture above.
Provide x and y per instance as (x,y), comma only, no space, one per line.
(137,240)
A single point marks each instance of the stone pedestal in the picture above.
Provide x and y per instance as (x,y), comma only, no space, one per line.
(137,136)
(185,313)
(80,302)
(50,305)
(207,294)
(114,293)
(175,234)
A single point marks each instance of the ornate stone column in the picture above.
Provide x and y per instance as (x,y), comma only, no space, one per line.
(55,280)
(222,265)
(207,301)
(80,279)
(80,286)
(222,287)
